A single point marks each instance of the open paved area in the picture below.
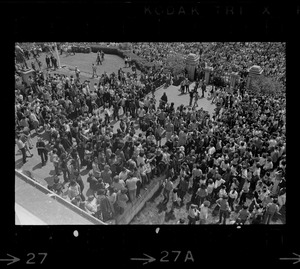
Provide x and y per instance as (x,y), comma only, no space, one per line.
(84,61)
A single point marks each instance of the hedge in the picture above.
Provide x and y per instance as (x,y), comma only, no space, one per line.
(177,81)
(106,50)
(141,64)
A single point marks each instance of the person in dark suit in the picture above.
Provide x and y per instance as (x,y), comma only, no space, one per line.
(48,61)
(42,151)
(52,60)
(187,85)
(55,63)
(203,88)
(98,60)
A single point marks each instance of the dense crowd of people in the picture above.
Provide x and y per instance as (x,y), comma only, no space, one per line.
(239,56)
(234,158)
(223,57)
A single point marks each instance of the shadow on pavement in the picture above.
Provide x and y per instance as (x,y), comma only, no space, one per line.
(84,172)
(161,207)
(52,173)
(49,180)
(38,166)
(89,192)
(19,153)
(156,194)
(34,135)
(17,162)
(169,216)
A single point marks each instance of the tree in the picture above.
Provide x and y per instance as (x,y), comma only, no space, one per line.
(266,85)
(175,64)
(125,46)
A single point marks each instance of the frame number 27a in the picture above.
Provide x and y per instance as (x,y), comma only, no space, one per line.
(174,255)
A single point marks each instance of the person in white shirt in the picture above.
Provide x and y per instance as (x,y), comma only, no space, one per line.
(95,87)
(140,159)
(203,215)
(256,171)
(268,164)
(96,169)
(175,199)
(151,138)
(73,190)
(244,172)
(21,146)
(232,197)
(211,150)
(107,115)
(118,184)
(91,205)
(141,114)
(124,174)
(219,181)
(282,198)
(210,188)
(262,159)
(222,191)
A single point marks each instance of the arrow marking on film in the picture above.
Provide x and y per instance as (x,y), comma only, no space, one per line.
(13,260)
(148,260)
(292,259)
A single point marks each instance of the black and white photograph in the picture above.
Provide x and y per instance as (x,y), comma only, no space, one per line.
(150,133)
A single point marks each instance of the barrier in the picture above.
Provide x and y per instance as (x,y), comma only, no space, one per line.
(157,83)
(133,209)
